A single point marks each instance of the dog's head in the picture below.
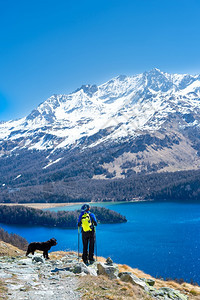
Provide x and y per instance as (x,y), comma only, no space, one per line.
(53,242)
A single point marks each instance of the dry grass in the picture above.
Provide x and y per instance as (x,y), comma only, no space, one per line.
(59,254)
(103,288)
(43,205)
(193,292)
(9,250)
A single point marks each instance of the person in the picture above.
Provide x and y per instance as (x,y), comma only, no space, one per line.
(87,221)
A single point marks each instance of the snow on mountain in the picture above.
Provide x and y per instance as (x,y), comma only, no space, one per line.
(124,107)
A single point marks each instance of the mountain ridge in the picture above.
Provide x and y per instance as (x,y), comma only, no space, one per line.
(130,125)
(124,105)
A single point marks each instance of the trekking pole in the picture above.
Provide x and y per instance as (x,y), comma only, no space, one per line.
(96,242)
(78,241)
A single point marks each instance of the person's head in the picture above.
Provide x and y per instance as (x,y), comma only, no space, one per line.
(85,207)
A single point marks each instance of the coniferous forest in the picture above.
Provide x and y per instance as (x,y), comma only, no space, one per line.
(174,186)
(68,219)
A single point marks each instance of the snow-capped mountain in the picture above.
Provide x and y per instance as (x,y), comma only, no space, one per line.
(152,120)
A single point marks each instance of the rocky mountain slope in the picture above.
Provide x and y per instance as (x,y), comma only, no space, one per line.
(63,277)
(129,125)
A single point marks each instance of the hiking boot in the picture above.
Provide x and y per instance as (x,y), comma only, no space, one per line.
(92,261)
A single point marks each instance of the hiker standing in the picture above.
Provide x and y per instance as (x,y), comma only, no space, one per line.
(87,221)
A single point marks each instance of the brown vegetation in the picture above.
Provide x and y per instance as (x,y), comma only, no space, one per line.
(192,291)
(13,239)
(9,250)
(103,288)
(43,205)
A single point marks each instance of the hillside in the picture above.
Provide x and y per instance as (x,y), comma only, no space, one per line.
(73,146)
(63,276)
(173,186)
(14,239)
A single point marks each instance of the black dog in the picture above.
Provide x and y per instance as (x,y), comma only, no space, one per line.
(43,246)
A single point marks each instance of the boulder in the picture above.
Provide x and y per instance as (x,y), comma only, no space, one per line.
(172,294)
(37,259)
(109,261)
(92,269)
(108,270)
(150,282)
(129,277)
(80,268)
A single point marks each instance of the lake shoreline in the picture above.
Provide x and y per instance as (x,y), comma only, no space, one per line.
(160,238)
(43,205)
(54,205)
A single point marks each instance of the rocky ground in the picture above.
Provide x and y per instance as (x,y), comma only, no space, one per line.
(64,277)
(35,278)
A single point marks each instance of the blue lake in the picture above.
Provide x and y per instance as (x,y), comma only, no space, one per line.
(162,239)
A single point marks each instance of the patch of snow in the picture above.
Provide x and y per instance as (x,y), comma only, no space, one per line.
(18,176)
(191,88)
(126,104)
(52,163)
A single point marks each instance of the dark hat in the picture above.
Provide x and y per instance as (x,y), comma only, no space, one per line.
(85,207)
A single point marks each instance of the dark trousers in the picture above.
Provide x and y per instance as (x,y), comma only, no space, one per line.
(88,238)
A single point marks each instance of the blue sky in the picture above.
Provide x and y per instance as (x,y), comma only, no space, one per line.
(51,47)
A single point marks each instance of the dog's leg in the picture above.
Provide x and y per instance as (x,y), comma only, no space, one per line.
(47,257)
(45,253)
